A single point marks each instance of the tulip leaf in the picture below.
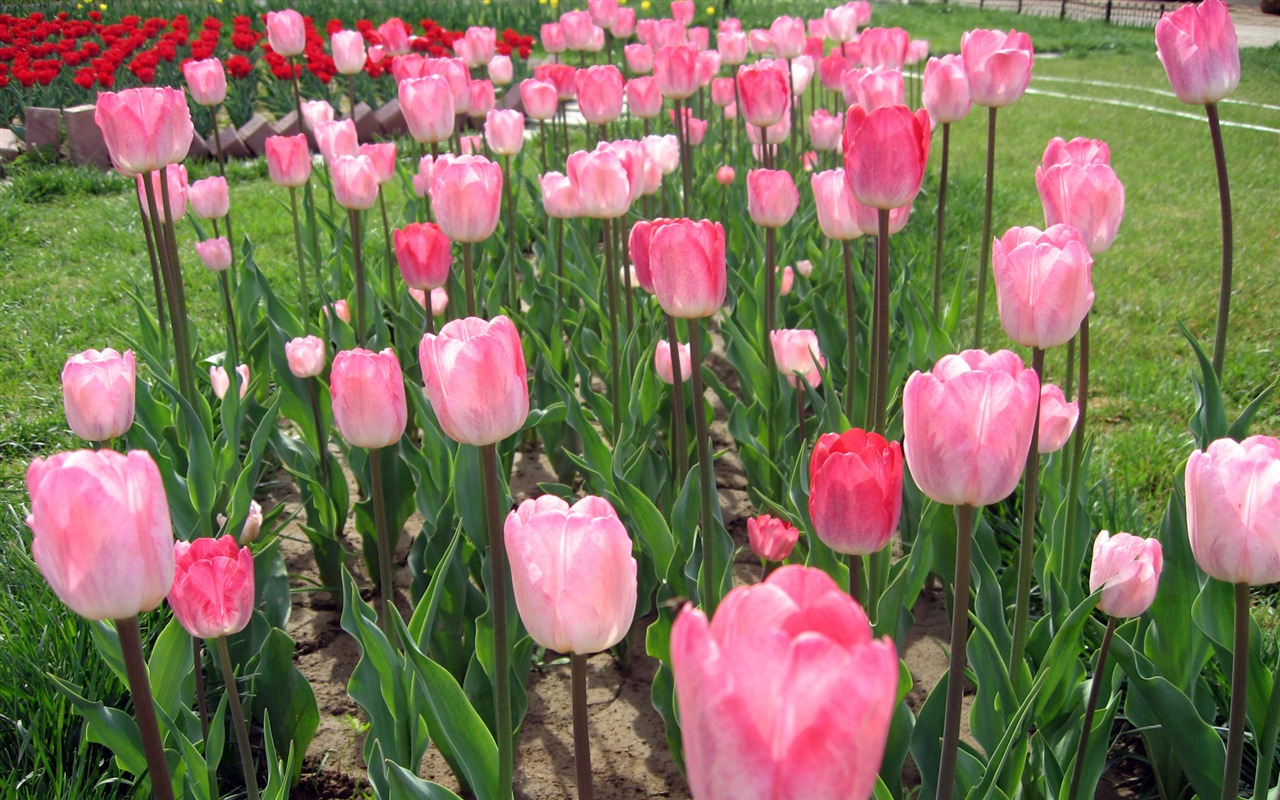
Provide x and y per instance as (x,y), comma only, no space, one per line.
(1171,642)
(1214,614)
(1239,429)
(649,525)
(109,727)
(405,785)
(1210,420)
(285,695)
(169,669)
(424,615)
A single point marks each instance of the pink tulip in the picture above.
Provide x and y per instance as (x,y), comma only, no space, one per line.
(771,539)
(836,206)
(252,524)
(480,99)
(869,218)
(209,198)
(215,253)
(624,24)
(475,379)
(699,37)
(784,677)
(675,68)
(577,27)
(355,182)
(427,105)
(967,426)
(288,160)
(1079,188)
(1057,419)
(635,162)
(1233,509)
(803,68)
(1198,48)
(559,75)
(729,25)
(206,80)
(759,42)
(455,72)
(394,34)
(763,94)
(884,47)
(316,113)
(639,58)
(144,129)
(826,131)
(369,406)
(377,52)
(559,197)
(666,370)
(722,92)
(687,262)
(337,139)
(644,99)
(732,48)
(1044,284)
(424,254)
(176,179)
(725,175)
(696,128)
(638,248)
(708,67)
(831,70)
(539,99)
(101,534)
(946,89)
(842,23)
(796,354)
(504,131)
(482,44)
(551,37)
(805,267)
(917,51)
(874,87)
(788,37)
(885,153)
(98,393)
(786,282)
(305,355)
(500,69)
(286,32)
(466,195)
(1127,570)
(599,93)
(664,151)
(998,66)
(855,491)
(348,52)
(341,309)
(601,183)
(221,381)
(439,301)
(383,156)
(603,12)
(212,592)
(772,198)
(682,11)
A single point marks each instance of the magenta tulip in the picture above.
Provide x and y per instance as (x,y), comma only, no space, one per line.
(209,198)
(1197,46)
(687,262)
(98,393)
(466,195)
(305,355)
(367,388)
(1233,509)
(215,253)
(144,129)
(885,153)
(998,66)
(424,254)
(212,592)
(1057,419)
(1127,570)
(206,80)
(770,538)
(475,373)
(1044,284)
(855,491)
(772,197)
(288,160)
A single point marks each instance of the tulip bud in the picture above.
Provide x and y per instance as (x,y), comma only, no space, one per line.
(305,355)
(212,593)
(666,370)
(367,389)
(215,253)
(1201,56)
(286,32)
(796,354)
(771,539)
(1057,419)
(209,198)
(348,52)
(725,175)
(98,391)
(206,80)
(1233,509)
(501,71)
(475,377)
(288,160)
(1127,570)
(772,197)
(221,381)
(424,254)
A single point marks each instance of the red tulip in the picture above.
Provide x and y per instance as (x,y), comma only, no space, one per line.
(424,254)
(1127,570)
(427,105)
(763,94)
(687,261)
(475,378)
(946,89)
(212,592)
(305,355)
(772,197)
(1197,46)
(885,153)
(144,129)
(599,93)
(771,539)
(98,391)
(998,66)
(1044,284)
(1079,188)
(367,388)
(855,491)
(1233,510)
(288,160)
(206,80)
(466,195)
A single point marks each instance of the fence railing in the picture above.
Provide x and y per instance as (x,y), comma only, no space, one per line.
(1142,13)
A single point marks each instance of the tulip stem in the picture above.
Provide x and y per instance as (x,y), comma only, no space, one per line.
(942,216)
(222,173)
(855,579)
(177,317)
(959,636)
(513,287)
(706,470)
(231,317)
(237,719)
(358,259)
(801,386)
(386,572)
(984,244)
(391,261)
(1239,695)
(304,295)
(1224,200)
(615,375)
(197,660)
(156,282)
(1069,382)
(682,138)
(879,421)
(1077,442)
(581,736)
(1094,691)
(851,330)
(468,271)
(143,708)
(1030,489)
(680,423)
(559,261)
(498,603)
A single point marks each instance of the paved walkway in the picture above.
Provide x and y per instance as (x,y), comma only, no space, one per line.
(1253,28)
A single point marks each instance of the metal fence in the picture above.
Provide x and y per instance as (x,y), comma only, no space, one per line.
(1142,13)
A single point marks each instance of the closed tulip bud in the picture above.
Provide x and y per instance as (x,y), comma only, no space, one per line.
(788,37)
(559,197)
(946,89)
(785,673)
(340,309)
(101,534)
(874,87)
(665,369)
(504,131)
(337,139)
(1057,419)
(624,24)
(663,150)
(206,80)
(722,92)
(1044,284)
(552,37)
(825,131)
(424,254)
(144,129)
(644,99)
(732,48)
(805,267)
(482,43)
(787,281)
(252,525)
(348,52)
(1127,570)
(884,47)
(885,153)
(771,539)
(98,393)
(539,99)
(998,66)
(501,71)
(559,75)
(316,113)
(383,156)
(602,12)
(772,198)
(215,253)
(480,99)
(708,67)
(1197,46)
(394,34)
(1233,510)
(763,94)
(369,406)
(209,198)
(639,58)
(176,178)
(842,23)
(601,183)
(475,377)
(212,593)
(466,194)
(675,67)
(286,32)
(967,426)
(305,355)
(687,262)
(427,105)
(855,491)
(796,354)
(288,160)
(831,70)
(578,30)
(697,129)
(802,69)
(699,37)
(599,93)
(221,381)
(1079,188)
(355,182)
(725,175)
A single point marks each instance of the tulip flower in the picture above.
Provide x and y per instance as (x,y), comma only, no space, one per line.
(874,87)
(842,23)
(482,44)
(341,310)
(796,354)
(732,48)
(674,67)
(355,182)
(946,89)
(772,197)
(394,34)
(336,139)
(825,131)
(305,355)
(466,194)
(687,262)
(601,183)
(662,363)
(1057,419)
(644,99)
(1127,570)
(725,175)
(884,47)
(98,390)
(559,197)
(252,525)
(288,160)
(885,153)
(855,491)
(561,76)
(836,206)
(763,94)
(1233,505)
(1044,284)
(1079,188)
(215,253)
(771,539)
(500,69)
(639,58)
(552,37)
(504,131)
(144,129)
(428,108)
(786,281)
(599,93)
(1197,46)
(317,112)
(177,183)
(788,36)
(367,389)
(383,156)
(998,66)
(785,673)
(286,32)
(209,198)
(221,381)
(577,27)
(206,80)
(475,377)
(212,592)
(624,24)
(424,254)
(539,99)
(348,52)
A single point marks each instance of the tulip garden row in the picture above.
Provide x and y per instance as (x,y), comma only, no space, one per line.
(877,448)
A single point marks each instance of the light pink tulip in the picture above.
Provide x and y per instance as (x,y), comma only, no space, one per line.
(697,128)
(998,66)
(98,391)
(1201,56)
(855,491)
(664,150)
(644,99)
(501,70)
(221,381)
(206,80)
(1044,284)
(836,206)
(772,197)
(539,99)
(552,37)
(475,377)
(763,94)
(394,34)
(803,68)
(424,254)
(367,388)
(427,105)
(336,139)
(144,129)
(177,183)
(1057,419)
(504,131)
(286,32)
(786,282)
(455,72)
(699,37)
(215,253)
(383,156)
(831,70)
(101,534)
(771,539)
(559,197)
(663,366)
(805,267)
(624,23)
(209,198)
(917,51)
(559,75)
(599,93)
(785,676)
(841,23)
(675,68)
(825,131)
(874,87)
(869,218)
(601,183)
(885,153)
(252,524)
(482,44)
(288,160)
(884,47)
(341,309)
(316,113)
(603,12)
(1233,509)
(212,592)
(687,262)
(639,58)
(466,195)
(578,30)
(1078,187)
(1127,570)
(796,354)
(348,52)
(480,99)
(355,182)
(305,355)
(682,11)
(788,37)
(732,48)
(708,67)
(946,89)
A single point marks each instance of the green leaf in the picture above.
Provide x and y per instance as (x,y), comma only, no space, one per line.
(1210,420)
(170,669)
(285,695)
(407,786)
(109,727)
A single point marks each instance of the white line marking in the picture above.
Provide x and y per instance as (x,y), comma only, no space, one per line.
(1152,109)
(1161,92)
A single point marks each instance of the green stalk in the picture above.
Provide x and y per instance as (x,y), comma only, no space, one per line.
(356,246)
(1030,480)
(177,319)
(880,418)
(959,637)
(386,572)
(143,708)
(706,471)
(302,274)
(1094,691)
(237,718)
(202,708)
(581,735)
(498,600)
(615,376)
(851,329)
(984,244)
(1239,695)
(942,216)
(222,173)
(391,261)
(156,281)
(1077,441)
(469,273)
(508,199)
(680,423)
(231,318)
(1224,200)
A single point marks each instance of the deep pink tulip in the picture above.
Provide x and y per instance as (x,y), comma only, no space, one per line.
(946,89)
(885,153)
(539,99)
(1057,419)
(1233,509)
(763,94)
(369,406)
(348,52)
(101,534)
(288,160)
(177,181)
(1127,570)
(466,195)
(771,539)
(788,37)
(601,183)
(145,128)
(98,393)
(1044,284)
(796,353)
(675,68)
(501,70)
(855,490)
(206,80)
(682,11)
(552,37)
(772,197)
(424,254)
(639,58)
(644,99)
(337,139)
(394,34)
(215,253)
(480,99)
(305,355)
(221,381)
(286,32)
(874,87)
(559,197)
(212,592)
(355,182)
(826,131)
(732,48)
(1197,45)
(475,379)
(624,23)
(1079,188)
(831,70)
(998,66)
(665,369)
(687,262)
(599,93)
(504,131)
(836,206)
(560,76)
(573,573)
(725,175)
(967,426)
(209,198)
(638,249)
(782,679)
(427,105)
(884,47)
(316,113)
